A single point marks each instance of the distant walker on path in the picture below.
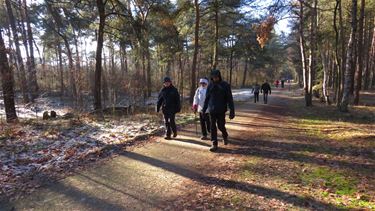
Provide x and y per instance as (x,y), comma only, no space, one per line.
(256,90)
(169,102)
(266,89)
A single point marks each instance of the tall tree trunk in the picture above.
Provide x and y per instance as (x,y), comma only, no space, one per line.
(59,24)
(372,55)
(7,83)
(350,66)
(78,79)
(181,67)
(231,66)
(313,53)
(367,45)
(98,66)
(343,55)
(33,85)
(245,72)
(195,54)
(358,75)
(338,60)
(216,41)
(148,68)
(21,66)
(61,68)
(325,62)
(302,49)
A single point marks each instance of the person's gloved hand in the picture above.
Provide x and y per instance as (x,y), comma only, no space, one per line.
(231,115)
(194,108)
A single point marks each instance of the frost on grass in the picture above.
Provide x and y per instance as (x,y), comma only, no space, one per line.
(35,148)
(36,109)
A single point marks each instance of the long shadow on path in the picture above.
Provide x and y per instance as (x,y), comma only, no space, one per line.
(230,184)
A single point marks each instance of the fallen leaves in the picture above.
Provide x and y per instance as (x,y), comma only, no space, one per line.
(50,148)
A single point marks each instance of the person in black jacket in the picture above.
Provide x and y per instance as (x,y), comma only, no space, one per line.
(266,89)
(218,99)
(169,102)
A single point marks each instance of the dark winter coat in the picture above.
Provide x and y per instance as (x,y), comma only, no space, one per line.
(219,98)
(266,88)
(169,100)
(256,88)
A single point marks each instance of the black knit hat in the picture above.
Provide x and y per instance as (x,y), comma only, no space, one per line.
(167,79)
(215,73)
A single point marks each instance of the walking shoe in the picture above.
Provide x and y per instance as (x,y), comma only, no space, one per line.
(226,142)
(213,148)
(167,138)
(204,138)
(174,135)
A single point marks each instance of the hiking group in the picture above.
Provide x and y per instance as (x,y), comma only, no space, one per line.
(211,101)
(265,89)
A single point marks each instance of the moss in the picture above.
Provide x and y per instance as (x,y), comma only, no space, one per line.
(333,180)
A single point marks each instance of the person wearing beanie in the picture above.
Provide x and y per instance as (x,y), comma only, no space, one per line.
(218,99)
(169,103)
(199,98)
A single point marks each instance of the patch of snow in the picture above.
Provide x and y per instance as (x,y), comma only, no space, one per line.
(242,95)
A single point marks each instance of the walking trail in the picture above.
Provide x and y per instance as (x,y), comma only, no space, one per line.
(182,173)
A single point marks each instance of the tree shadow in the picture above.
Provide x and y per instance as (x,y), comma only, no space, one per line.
(277,154)
(117,190)
(322,112)
(254,125)
(305,147)
(231,184)
(89,201)
(192,141)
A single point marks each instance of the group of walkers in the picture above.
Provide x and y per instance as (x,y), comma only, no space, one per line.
(211,100)
(265,89)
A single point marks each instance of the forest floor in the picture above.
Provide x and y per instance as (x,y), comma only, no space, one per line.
(281,156)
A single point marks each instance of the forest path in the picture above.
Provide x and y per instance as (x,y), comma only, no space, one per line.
(251,173)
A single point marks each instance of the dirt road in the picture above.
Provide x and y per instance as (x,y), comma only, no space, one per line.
(256,171)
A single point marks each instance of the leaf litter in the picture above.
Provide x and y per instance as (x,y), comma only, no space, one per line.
(47,149)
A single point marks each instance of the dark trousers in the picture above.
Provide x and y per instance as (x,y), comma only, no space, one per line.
(170,124)
(256,97)
(204,119)
(219,119)
(265,98)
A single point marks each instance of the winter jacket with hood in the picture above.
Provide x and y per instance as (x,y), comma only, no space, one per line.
(266,88)
(219,96)
(199,97)
(169,100)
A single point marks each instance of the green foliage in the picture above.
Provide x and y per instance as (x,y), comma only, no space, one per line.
(332,180)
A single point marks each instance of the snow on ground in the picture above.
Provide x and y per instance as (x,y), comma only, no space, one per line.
(239,95)
(37,108)
(48,147)
(242,94)
(37,147)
